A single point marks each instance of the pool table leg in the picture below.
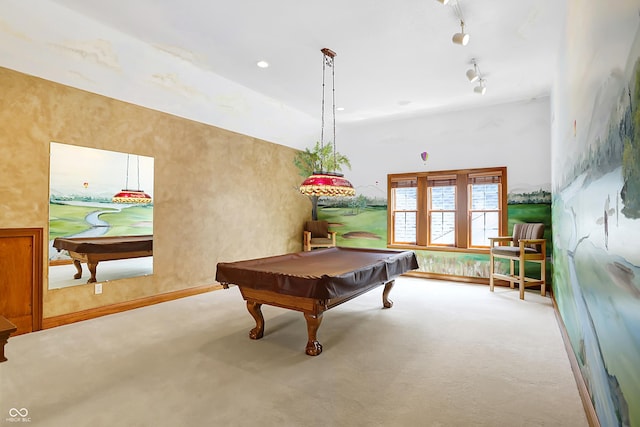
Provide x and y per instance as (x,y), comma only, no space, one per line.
(93,266)
(256,311)
(78,267)
(313,348)
(386,302)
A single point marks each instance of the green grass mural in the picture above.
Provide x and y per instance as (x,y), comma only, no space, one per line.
(367,228)
(357,228)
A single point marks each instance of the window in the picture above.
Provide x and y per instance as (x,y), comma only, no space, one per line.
(442,210)
(405,210)
(448,209)
(484,209)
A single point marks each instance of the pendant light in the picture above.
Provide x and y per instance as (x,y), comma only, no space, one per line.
(323,183)
(132,196)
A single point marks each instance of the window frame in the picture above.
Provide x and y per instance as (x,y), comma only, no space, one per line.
(434,181)
(463,178)
(400,183)
(483,179)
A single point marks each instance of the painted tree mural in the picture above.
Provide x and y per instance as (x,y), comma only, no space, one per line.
(630,128)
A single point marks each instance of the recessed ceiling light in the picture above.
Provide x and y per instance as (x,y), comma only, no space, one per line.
(339,108)
(262,64)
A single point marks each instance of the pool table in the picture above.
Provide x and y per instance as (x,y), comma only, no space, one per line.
(313,282)
(92,250)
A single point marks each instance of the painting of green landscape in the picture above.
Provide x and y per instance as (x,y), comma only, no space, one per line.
(596,219)
(366,227)
(357,228)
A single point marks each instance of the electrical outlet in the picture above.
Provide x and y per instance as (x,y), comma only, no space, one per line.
(98,288)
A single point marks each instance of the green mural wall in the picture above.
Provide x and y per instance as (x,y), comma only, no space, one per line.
(365,226)
(596,218)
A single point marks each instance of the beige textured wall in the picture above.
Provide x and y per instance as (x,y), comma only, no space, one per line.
(218,196)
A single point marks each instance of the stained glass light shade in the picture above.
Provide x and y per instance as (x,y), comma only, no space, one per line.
(131,196)
(327,184)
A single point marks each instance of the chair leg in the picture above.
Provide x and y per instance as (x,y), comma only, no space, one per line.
(521,278)
(543,276)
(511,272)
(492,269)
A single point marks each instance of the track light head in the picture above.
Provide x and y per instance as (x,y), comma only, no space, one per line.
(481,88)
(472,75)
(461,38)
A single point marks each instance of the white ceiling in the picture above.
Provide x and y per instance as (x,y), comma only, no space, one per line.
(394,58)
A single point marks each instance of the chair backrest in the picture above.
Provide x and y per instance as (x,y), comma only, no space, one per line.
(317,228)
(528,231)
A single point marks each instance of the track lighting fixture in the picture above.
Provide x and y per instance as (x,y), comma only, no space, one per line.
(461,38)
(472,73)
(481,88)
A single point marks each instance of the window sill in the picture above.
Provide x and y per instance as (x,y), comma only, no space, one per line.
(440,248)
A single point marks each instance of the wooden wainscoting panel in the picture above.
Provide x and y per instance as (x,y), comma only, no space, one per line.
(21,277)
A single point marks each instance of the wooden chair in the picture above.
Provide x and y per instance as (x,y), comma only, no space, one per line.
(526,245)
(316,234)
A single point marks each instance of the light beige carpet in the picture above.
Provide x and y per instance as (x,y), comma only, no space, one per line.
(446,354)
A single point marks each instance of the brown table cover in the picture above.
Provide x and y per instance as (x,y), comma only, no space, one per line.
(104,245)
(322,274)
